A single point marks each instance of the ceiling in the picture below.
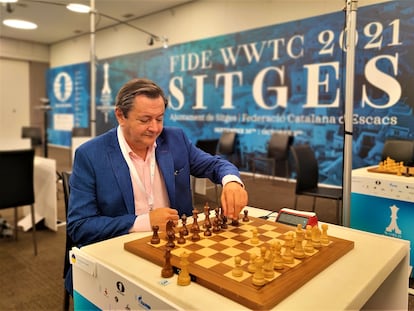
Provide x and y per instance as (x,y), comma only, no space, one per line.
(56,23)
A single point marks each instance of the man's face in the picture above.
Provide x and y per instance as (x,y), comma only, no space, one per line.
(144,122)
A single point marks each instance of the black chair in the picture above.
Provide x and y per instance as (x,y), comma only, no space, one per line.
(209,146)
(17,184)
(81,132)
(277,152)
(307,178)
(69,243)
(227,146)
(399,150)
(34,133)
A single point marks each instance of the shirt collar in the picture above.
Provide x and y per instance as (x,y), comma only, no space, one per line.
(127,148)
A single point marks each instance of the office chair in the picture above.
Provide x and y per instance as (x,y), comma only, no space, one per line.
(69,243)
(277,152)
(307,178)
(227,146)
(209,146)
(17,184)
(399,150)
(34,133)
(81,132)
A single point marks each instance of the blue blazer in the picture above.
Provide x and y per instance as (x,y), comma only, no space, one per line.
(101,203)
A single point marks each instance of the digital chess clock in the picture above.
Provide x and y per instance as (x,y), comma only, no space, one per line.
(294,217)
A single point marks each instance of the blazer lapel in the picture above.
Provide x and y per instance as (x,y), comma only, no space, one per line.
(121,171)
(166,165)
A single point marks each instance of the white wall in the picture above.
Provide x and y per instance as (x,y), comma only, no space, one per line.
(190,22)
(14,99)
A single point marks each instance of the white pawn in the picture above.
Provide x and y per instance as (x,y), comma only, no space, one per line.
(237,271)
(254,239)
(258,278)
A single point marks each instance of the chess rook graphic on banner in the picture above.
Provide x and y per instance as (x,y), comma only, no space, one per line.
(287,77)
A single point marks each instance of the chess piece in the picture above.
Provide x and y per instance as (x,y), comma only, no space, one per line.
(237,270)
(235,222)
(252,265)
(245,217)
(224,222)
(268,271)
(167,270)
(324,235)
(196,236)
(216,227)
(184,278)
(170,232)
(316,237)
(155,237)
(308,248)
(207,220)
(207,232)
(181,238)
(254,239)
(289,244)
(298,251)
(258,278)
(184,222)
(195,226)
(277,257)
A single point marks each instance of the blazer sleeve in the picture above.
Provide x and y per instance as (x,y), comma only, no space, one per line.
(101,196)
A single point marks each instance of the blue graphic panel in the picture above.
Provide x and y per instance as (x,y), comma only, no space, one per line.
(383,216)
(81,303)
(68,92)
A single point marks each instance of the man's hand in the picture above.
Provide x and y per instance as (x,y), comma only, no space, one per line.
(233,199)
(160,216)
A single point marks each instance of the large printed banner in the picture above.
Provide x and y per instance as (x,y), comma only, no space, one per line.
(288,77)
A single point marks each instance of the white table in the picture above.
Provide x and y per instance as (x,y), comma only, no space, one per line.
(374,275)
(45,195)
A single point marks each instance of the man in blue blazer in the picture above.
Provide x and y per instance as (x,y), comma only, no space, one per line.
(137,175)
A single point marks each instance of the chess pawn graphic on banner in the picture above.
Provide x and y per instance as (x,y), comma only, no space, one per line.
(393,226)
(106,94)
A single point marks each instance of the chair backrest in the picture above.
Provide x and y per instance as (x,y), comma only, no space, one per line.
(81,132)
(227,143)
(16,178)
(307,169)
(399,150)
(279,145)
(34,133)
(208,145)
(69,243)
(66,189)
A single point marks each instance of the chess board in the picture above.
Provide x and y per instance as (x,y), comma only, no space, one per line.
(212,261)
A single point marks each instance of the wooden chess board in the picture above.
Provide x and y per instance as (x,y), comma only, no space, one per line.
(212,261)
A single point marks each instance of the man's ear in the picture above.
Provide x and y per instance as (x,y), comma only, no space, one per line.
(119,114)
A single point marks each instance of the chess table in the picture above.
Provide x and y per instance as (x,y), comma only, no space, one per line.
(106,276)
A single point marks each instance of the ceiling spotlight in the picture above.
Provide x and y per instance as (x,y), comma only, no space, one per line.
(8,1)
(164,41)
(19,24)
(150,40)
(78,8)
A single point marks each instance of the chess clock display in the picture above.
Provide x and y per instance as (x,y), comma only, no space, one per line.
(294,217)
